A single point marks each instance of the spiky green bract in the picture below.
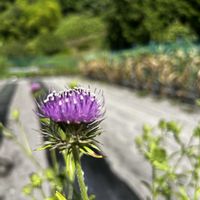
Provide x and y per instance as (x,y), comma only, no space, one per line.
(64,136)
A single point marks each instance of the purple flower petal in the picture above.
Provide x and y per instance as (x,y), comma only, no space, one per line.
(71,106)
(35,87)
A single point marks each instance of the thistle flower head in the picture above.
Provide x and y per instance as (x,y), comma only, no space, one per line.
(72,106)
(71,118)
(35,87)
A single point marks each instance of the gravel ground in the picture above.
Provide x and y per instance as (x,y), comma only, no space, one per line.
(18,167)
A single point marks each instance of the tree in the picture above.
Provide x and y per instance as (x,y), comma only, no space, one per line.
(125,24)
(130,22)
(24,19)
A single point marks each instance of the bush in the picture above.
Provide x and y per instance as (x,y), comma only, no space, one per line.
(174,160)
(173,32)
(81,31)
(13,49)
(46,43)
(4,64)
(140,22)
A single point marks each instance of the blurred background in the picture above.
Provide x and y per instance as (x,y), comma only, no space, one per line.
(60,34)
(146,46)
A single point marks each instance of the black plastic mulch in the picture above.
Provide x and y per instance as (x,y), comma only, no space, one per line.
(6,95)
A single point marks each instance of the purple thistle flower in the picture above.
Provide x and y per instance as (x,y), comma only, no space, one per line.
(71,106)
(35,87)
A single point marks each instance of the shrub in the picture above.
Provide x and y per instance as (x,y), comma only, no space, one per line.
(46,43)
(174,160)
(81,31)
(4,64)
(174,31)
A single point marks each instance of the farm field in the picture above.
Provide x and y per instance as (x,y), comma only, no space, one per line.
(126,112)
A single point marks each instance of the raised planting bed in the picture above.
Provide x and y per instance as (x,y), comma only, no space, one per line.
(174,73)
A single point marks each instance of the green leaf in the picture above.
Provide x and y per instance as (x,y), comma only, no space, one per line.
(139,141)
(158,154)
(196,131)
(147,128)
(161,166)
(45,120)
(49,173)
(183,194)
(197,194)
(51,198)
(95,147)
(15,114)
(27,190)
(173,127)
(198,102)
(63,135)
(92,197)
(43,147)
(73,84)
(86,150)
(60,196)
(7,133)
(162,124)
(36,180)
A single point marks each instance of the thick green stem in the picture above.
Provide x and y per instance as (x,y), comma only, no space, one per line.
(79,173)
(153,184)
